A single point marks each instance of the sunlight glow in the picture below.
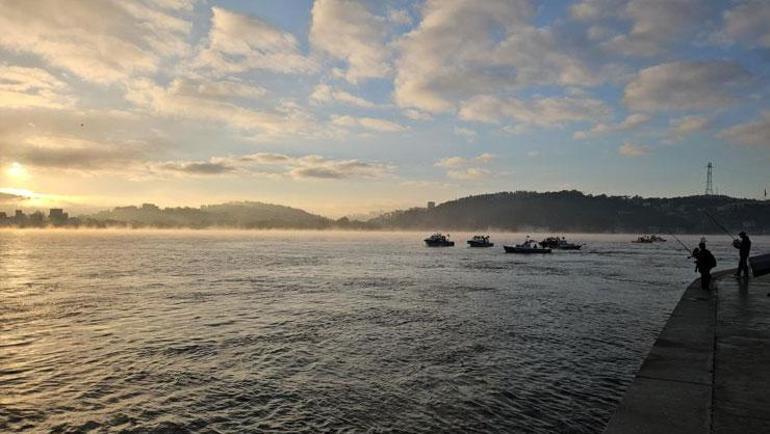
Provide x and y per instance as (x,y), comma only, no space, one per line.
(16,170)
(18,192)
(31,199)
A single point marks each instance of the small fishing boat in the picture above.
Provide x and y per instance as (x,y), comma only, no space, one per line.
(560,244)
(526,247)
(649,239)
(439,240)
(480,241)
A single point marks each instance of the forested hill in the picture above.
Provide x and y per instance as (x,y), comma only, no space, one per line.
(233,215)
(573,211)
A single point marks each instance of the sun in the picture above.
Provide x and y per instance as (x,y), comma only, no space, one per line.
(16,170)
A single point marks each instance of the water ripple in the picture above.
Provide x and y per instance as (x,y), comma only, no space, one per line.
(248,332)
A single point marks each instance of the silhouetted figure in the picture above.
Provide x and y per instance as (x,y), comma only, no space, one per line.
(744,248)
(704,262)
(695,253)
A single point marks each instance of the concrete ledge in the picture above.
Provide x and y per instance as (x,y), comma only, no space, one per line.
(663,406)
(673,388)
(709,370)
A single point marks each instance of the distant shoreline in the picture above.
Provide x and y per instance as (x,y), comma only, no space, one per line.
(520,211)
(538,231)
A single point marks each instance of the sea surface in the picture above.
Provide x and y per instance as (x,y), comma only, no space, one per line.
(238,331)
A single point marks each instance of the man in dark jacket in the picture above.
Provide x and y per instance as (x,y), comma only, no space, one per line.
(704,262)
(744,248)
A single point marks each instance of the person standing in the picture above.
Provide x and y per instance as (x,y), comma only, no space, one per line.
(704,262)
(744,248)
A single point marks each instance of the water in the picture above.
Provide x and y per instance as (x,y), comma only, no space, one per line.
(322,331)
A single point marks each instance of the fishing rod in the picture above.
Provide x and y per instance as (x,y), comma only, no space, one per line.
(681,243)
(689,251)
(729,234)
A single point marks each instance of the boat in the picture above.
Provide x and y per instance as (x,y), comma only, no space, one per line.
(480,241)
(560,244)
(527,247)
(648,239)
(439,240)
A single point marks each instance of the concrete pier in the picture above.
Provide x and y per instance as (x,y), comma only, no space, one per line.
(709,370)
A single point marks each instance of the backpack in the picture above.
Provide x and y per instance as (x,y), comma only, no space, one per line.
(711,261)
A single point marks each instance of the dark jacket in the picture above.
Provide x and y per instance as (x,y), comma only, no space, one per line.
(744,247)
(705,261)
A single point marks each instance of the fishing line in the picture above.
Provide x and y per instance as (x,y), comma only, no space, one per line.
(729,234)
(689,251)
(681,243)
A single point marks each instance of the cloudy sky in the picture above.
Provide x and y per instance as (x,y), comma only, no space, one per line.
(342,106)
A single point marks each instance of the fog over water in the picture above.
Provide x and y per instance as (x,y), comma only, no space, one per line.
(222,331)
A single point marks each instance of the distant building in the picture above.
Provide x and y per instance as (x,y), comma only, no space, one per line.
(57,216)
(431,205)
(19,218)
(150,206)
(36,219)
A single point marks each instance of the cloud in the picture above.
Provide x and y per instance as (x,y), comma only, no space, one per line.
(631,150)
(53,141)
(486,157)
(748,22)
(22,87)
(314,166)
(238,43)
(267,158)
(347,30)
(543,112)
(375,124)
(593,10)
(687,86)
(462,168)
(470,173)
(223,89)
(181,5)
(211,102)
(658,25)
(753,133)
(654,26)
(72,153)
(632,121)
(11,198)
(467,133)
(467,48)
(198,168)
(417,115)
(686,125)
(339,170)
(441,57)
(271,164)
(324,93)
(451,162)
(98,41)
(399,16)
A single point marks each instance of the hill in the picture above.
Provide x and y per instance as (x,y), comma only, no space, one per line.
(573,211)
(247,215)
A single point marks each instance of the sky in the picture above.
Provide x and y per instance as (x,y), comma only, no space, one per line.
(346,107)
